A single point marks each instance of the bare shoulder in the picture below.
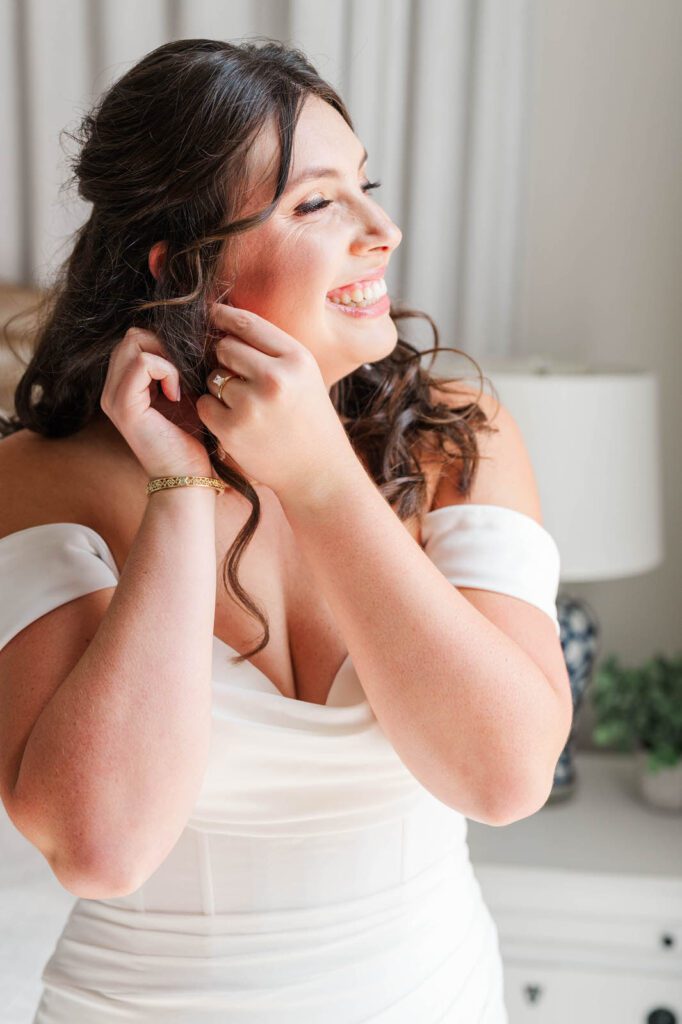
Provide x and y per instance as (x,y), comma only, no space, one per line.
(505,474)
(84,478)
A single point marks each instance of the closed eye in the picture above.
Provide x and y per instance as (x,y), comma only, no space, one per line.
(305,208)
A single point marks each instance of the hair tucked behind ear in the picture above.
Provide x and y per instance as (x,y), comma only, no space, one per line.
(162,156)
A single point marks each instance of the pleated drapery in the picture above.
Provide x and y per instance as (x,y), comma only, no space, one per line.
(436,88)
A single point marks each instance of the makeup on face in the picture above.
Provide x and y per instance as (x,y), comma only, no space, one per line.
(368,296)
(304,273)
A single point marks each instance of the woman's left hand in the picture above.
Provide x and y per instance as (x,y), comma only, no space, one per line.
(278,423)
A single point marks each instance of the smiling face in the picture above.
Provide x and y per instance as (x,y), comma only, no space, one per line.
(325,233)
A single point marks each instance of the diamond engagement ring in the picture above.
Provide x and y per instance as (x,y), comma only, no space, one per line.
(221,382)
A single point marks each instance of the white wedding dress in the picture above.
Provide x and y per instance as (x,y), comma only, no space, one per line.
(316,879)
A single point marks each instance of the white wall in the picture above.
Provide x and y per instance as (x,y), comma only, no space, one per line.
(602,249)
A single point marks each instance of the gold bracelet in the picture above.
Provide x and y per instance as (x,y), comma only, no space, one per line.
(162,483)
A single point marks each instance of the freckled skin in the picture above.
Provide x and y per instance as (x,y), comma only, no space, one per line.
(287,265)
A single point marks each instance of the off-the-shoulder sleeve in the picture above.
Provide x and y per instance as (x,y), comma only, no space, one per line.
(45,566)
(495,548)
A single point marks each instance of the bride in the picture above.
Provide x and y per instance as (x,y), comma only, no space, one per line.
(221,426)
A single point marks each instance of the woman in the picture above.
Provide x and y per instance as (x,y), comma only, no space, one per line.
(277,834)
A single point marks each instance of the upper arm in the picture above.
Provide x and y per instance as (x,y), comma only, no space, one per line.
(33,665)
(55,593)
(505,477)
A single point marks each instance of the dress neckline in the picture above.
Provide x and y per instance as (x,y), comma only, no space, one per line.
(251,667)
(254,668)
(275,689)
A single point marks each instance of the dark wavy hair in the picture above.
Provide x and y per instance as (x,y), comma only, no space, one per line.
(162,156)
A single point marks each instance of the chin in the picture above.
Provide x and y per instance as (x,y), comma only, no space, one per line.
(379,346)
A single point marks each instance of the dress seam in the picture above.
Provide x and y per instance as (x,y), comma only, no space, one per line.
(205,873)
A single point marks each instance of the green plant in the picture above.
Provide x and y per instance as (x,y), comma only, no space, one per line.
(640,708)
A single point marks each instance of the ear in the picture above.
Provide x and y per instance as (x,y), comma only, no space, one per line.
(157,255)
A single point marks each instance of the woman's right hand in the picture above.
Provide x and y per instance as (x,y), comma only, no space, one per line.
(162,447)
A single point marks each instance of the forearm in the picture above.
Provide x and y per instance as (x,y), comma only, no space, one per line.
(467,710)
(114,762)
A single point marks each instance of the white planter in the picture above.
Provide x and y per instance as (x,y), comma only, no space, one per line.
(662,789)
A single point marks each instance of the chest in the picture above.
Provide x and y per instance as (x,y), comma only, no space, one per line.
(305,650)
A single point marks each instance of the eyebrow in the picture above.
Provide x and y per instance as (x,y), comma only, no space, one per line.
(318,172)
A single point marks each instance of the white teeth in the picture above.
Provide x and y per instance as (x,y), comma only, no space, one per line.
(366,295)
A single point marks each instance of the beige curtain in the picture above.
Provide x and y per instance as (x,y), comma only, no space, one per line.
(437,90)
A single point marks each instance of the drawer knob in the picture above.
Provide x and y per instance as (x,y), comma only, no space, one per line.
(534,992)
(667,940)
(661,1016)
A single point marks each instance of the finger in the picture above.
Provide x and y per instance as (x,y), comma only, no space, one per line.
(254,329)
(149,343)
(142,340)
(214,380)
(135,341)
(237,356)
(148,367)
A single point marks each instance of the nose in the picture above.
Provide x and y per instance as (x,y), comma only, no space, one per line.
(380,232)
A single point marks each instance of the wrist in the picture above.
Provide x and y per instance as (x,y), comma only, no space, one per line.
(329,489)
(195,482)
(188,468)
(184,498)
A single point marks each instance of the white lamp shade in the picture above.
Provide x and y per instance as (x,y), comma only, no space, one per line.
(593,438)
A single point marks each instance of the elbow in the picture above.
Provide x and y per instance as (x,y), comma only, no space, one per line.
(518,801)
(522,794)
(91,881)
(106,871)
(77,873)
(84,864)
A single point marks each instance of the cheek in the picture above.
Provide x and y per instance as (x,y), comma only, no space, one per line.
(256,286)
(289,273)
(307,257)
(300,281)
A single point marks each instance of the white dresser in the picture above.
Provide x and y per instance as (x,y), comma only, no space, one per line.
(587,898)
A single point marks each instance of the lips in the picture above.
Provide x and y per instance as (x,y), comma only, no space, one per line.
(367,276)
